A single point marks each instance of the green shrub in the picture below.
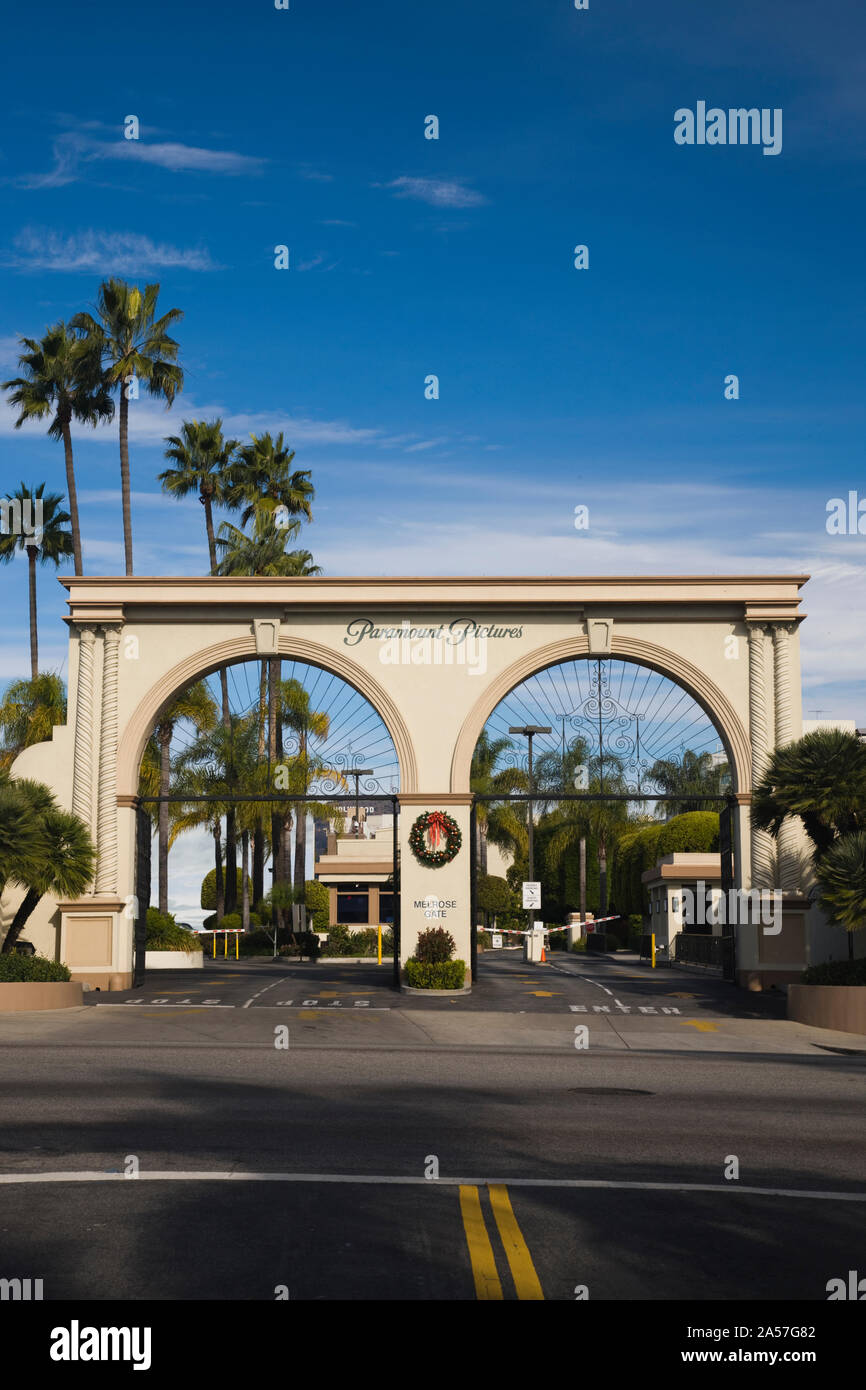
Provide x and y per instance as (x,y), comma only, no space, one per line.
(691,833)
(339,942)
(830,972)
(306,944)
(318,904)
(15,969)
(435,946)
(210,922)
(262,911)
(580,946)
(232,921)
(164,934)
(484,940)
(208,888)
(444,974)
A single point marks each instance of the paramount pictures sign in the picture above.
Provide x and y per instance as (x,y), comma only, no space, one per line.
(462,642)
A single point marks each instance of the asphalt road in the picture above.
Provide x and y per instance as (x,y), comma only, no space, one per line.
(366,1147)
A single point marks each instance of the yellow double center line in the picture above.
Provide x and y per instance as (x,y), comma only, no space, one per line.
(484,1272)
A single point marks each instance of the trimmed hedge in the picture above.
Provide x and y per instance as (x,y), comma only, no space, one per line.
(694,832)
(15,969)
(164,934)
(208,887)
(435,946)
(443,974)
(830,972)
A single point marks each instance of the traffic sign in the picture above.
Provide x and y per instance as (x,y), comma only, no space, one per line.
(531,895)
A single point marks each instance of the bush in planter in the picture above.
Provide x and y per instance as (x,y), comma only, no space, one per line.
(830,972)
(339,942)
(164,934)
(443,974)
(16,969)
(485,941)
(435,946)
(306,944)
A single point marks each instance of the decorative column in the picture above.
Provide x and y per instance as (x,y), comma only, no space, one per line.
(762,853)
(106,821)
(82,769)
(788,858)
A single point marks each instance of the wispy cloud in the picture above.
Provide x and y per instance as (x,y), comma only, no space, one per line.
(440,193)
(117,253)
(9,350)
(73,150)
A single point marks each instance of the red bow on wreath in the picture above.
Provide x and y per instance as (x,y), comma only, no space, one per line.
(437,826)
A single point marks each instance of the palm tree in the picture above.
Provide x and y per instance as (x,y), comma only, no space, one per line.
(65,869)
(263,553)
(62,377)
(229,756)
(693,775)
(821,778)
(24,844)
(202,457)
(260,482)
(559,768)
(496,822)
(51,543)
(841,874)
(305,723)
(135,346)
(195,704)
(29,712)
(601,820)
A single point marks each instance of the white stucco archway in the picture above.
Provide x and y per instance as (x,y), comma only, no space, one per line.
(433,656)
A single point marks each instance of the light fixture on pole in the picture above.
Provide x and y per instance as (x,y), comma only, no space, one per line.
(358,772)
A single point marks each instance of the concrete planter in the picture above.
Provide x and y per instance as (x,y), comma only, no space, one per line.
(841,1007)
(26,995)
(436,993)
(174,960)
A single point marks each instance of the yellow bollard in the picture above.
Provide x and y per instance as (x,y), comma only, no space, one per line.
(380,943)
(226,943)
(237,939)
(653,944)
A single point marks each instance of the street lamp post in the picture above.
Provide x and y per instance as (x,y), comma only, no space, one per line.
(357,773)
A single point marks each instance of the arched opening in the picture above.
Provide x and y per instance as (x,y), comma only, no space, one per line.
(580,764)
(270,786)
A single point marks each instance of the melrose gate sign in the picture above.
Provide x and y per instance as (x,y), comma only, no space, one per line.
(731,643)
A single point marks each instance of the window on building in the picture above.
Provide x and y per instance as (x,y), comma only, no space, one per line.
(386,906)
(353,907)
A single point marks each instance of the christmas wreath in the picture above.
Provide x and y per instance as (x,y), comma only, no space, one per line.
(435,826)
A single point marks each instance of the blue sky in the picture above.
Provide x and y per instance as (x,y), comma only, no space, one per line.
(454,256)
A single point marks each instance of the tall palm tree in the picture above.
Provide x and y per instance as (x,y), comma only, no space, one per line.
(261,481)
(28,713)
(600,820)
(263,553)
(485,758)
(229,755)
(202,457)
(691,775)
(52,543)
(195,704)
(559,769)
(134,345)
(305,724)
(62,377)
